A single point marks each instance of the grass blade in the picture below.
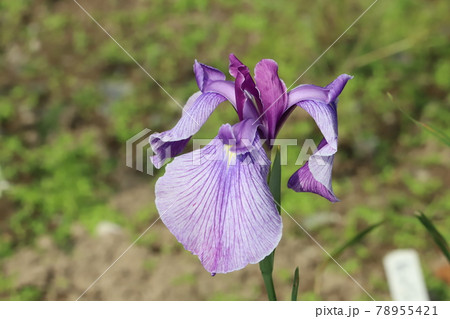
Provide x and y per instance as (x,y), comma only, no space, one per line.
(295,285)
(443,137)
(354,240)
(437,237)
(337,252)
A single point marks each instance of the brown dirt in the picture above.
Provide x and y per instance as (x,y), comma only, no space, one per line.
(169,274)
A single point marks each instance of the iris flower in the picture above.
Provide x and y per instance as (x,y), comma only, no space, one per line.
(222,210)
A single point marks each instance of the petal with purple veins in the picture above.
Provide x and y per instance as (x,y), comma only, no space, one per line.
(220,207)
(195,113)
(315,175)
(321,104)
(325,116)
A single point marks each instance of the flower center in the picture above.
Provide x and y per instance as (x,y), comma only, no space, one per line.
(231,156)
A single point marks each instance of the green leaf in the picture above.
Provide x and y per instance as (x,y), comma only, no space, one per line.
(437,237)
(433,130)
(295,285)
(275,178)
(337,252)
(354,240)
(266,265)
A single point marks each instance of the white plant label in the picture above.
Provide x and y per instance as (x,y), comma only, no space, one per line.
(404,274)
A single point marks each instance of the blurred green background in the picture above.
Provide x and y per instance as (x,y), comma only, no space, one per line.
(70,98)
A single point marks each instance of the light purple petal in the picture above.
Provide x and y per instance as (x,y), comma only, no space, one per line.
(315,175)
(224,88)
(326,95)
(308,92)
(321,104)
(325,116)
(273,93)
(335,88)
(218,205)
(195,113)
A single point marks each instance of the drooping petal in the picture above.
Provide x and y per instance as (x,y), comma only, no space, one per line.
(315,175)
(325,116)
(212,80)
(195,113)
(198,108)
(321,104)
(273,93)
(218,205)
(307,92)
(335,88)
(204,74)
(326,95)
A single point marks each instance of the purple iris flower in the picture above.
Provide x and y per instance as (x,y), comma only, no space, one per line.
(222,210)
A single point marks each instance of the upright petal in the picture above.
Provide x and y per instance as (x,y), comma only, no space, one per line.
(235,64)
(273,93)
(315,175)
(248,101)
(220,206)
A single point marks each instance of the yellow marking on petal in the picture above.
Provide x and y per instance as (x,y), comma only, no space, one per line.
(231,155)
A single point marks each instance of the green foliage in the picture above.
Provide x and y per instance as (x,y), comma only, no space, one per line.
(27,293)
(69,185)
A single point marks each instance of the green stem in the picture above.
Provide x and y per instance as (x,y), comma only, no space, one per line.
(266,265)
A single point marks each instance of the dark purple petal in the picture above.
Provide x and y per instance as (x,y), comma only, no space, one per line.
(220,206)
(235,64)
(164,150)
(248,101)
(240,137)
(315,175)
(195,113)
(273,93)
